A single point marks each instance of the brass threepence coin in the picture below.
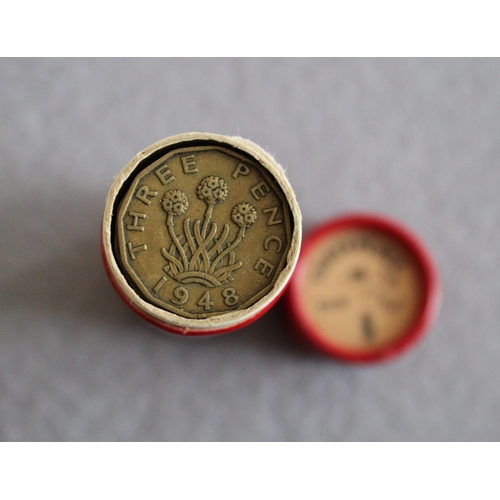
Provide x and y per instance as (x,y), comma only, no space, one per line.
(365,290)
(201,233)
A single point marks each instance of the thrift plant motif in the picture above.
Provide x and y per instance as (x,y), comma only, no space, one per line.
(200,255)
(211,190)
(174,202)
(244,215)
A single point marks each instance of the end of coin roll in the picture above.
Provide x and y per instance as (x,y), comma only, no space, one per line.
(201,233)
(365,289)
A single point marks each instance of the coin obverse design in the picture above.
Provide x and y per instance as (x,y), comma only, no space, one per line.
(201,233)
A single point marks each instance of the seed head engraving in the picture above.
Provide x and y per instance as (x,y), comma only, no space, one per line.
(202,255)
(244,215)
(175,202)
(212,190)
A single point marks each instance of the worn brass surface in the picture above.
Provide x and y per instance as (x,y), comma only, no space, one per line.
(362,289)
(202,231)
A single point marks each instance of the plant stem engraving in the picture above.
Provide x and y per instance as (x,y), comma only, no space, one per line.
(200,255)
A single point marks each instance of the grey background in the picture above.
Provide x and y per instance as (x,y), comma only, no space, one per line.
(414,139)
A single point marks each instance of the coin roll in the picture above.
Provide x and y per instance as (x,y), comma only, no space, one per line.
(201,233)
(365,289)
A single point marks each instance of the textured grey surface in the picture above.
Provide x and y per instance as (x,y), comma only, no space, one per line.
(415,139)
